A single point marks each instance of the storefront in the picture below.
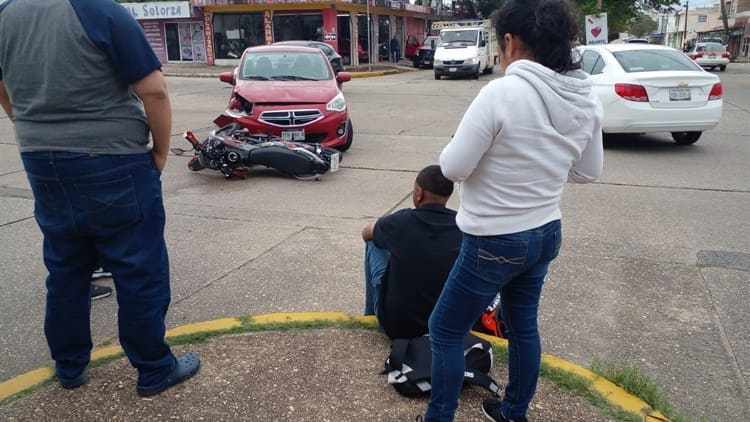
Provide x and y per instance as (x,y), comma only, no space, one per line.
(232,26)
(174,29)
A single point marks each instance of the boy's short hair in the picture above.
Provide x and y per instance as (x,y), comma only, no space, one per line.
(432,180)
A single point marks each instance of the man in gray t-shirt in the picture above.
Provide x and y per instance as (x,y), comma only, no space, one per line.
(84,90)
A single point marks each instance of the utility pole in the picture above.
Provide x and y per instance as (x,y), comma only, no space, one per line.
(684,44)
(599,5)
(369,43)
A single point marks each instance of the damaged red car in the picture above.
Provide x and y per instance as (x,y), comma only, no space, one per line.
(291,92)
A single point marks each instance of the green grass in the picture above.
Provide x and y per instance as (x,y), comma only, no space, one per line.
(634,382)
(576,385)
(630,379)
(248,326)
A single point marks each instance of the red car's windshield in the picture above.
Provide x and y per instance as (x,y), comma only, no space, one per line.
(279,66)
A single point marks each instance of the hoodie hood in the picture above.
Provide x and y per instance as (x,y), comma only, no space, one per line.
(573,88)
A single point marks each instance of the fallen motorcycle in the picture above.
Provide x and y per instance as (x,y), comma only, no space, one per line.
(232,150)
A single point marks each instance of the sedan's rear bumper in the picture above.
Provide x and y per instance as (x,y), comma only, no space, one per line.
(635,117)
(721,61)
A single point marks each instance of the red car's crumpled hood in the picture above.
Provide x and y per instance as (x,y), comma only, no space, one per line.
(287,91)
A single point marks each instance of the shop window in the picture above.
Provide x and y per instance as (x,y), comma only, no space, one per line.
(234,32)
(298,27)
(185,42)
(384,29)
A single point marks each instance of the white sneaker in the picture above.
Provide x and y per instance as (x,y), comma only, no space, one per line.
(100,273)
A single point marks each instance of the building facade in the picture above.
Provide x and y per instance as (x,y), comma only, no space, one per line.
(218,31)
(692,25)
(175,30)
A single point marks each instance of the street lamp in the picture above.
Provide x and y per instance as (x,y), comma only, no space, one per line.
(685,43)
(369,43)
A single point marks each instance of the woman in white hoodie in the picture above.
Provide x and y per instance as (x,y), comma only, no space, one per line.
(520,140)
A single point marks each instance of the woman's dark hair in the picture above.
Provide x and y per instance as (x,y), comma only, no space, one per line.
(432,180)
(547,27)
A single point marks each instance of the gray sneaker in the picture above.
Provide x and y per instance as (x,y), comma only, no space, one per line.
(100,292)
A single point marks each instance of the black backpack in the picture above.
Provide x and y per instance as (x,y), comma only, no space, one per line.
(408,365)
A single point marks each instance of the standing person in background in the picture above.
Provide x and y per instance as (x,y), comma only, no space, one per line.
(84,89)
(395,49)
(519,141)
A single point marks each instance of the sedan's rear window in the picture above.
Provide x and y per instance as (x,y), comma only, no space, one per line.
(710,47)
(654,60)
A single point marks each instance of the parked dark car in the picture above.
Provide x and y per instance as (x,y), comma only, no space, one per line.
(333,57)
(423,57)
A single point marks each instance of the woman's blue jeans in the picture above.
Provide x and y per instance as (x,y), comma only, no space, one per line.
(106,207)
(514,265)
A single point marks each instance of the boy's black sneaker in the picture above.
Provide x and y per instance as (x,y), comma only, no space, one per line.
(99,292)
(491,409)
(100,273)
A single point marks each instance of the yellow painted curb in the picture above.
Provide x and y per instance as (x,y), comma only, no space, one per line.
(24,381)
(106,352)
(204,327)
(285,317)
(367,74)
(611,392)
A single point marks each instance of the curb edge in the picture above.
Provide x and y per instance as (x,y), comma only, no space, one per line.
(611,392)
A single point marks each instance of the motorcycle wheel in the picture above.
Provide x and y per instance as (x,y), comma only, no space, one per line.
(195,164)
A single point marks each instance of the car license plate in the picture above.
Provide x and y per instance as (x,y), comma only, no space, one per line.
(452,69)
(426,62)
(335,162)
(293,135)
(712,57)
(679,94)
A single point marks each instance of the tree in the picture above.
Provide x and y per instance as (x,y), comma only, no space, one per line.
(621,12)
(724,21)
(486,7)
(642,24)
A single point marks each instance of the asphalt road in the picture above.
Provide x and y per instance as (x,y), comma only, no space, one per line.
(654,271)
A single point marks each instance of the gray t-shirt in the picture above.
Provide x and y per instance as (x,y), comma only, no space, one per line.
(68,66)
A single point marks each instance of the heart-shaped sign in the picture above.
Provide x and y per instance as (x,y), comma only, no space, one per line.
(595,31)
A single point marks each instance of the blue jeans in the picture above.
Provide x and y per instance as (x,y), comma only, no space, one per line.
(106,207)
(376,262)
(514,265)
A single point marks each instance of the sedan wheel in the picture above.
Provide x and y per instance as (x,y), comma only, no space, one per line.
(723,67)
(686,138)
(349,138)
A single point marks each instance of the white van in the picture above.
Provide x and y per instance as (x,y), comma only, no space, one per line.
(466,48)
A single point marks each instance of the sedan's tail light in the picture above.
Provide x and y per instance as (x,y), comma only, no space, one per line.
(716,92)
(725,54)
(632,92)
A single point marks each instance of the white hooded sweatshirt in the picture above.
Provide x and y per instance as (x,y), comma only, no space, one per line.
(519,141)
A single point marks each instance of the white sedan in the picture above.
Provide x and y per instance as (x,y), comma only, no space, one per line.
(653,88)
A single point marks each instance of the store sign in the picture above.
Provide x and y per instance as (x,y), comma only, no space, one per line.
(158,10)
(268,26)
(596,29)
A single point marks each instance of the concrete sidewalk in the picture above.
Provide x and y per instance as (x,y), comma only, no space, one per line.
(301,366)
(206,71)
